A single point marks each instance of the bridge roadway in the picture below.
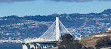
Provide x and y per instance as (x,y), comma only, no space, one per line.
(38,40)
(38,43)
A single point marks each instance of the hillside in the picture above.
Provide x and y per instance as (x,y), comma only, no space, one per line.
(91,40)
(18,28)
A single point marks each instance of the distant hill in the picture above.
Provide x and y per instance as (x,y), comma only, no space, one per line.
(14,27)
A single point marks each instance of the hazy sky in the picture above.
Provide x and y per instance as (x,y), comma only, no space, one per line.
(46,7)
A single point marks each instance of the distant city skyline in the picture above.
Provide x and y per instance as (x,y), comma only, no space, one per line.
(41,7)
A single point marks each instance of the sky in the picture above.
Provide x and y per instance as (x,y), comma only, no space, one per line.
(47,7)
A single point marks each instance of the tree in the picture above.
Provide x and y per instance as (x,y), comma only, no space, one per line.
(103,42)
(68,42)
(87,48)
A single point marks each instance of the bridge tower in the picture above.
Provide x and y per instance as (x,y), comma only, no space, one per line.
(57,29)
(51,36)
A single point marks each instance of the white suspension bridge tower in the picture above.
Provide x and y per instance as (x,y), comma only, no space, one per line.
(51,36)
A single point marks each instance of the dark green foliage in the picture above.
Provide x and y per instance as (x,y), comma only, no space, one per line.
(67,37)
(104,42)
(87,48)
(97,47)
(69,43)
(84,47)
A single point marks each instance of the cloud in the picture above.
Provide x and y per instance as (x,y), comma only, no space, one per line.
(14,0)
(79,0)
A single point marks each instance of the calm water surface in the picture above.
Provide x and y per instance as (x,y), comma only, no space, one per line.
(10,46)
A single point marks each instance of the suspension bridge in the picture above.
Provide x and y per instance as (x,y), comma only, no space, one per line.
(51,36)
